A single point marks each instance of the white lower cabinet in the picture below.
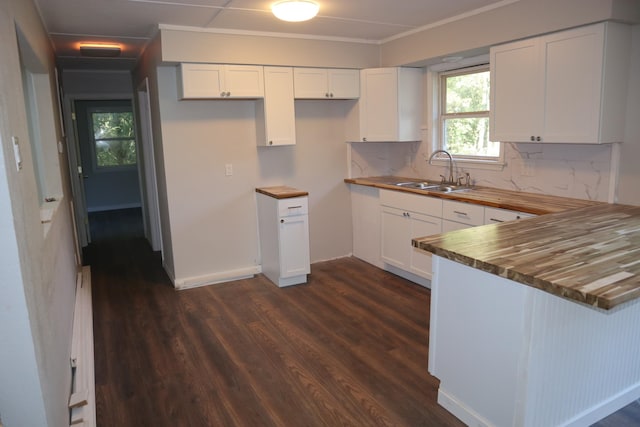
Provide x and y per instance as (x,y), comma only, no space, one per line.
(284,239)
(385,222)
(403,217)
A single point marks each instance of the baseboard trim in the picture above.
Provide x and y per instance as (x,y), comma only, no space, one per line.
(460,411)
(605,408)
(215,278)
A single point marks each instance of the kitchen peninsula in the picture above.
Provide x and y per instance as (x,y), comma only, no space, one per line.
(535,322)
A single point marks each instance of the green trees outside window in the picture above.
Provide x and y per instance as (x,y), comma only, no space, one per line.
(465,114)
(114,137)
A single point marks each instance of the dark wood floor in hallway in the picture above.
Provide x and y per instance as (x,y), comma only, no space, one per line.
(347,349)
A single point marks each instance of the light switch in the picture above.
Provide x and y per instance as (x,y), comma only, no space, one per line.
(228,169)
(16,152)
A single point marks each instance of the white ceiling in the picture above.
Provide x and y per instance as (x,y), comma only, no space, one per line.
(133,23)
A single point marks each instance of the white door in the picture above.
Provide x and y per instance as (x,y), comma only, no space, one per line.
(380,104)
(395,245)
(150,201)
(516,92)
(294,246)
(573,85)
(77,178)
(344,84)
(422,225)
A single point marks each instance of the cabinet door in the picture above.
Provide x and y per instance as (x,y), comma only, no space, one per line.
(344,84)
(496,215)
(276,122)
(379,109)
(201,81)
(294,246)
(422,225)
(516,92)
(310,83)
(365,210)
(395,245)
(244,81)
(573,85)
(448,225)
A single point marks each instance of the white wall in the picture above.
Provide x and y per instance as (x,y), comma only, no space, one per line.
(629,190)
(38,272)
(212,216)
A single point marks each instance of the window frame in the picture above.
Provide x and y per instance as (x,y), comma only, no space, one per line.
(436,74)
(94,154)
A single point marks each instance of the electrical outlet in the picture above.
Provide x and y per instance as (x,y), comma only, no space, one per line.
(228,169)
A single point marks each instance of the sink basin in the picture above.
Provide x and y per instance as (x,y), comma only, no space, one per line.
(433,186)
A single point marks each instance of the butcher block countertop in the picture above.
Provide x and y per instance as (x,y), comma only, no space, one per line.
(281,192)
(538,204)
(590,255)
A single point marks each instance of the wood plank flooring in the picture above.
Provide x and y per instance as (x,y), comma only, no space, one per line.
(347,349)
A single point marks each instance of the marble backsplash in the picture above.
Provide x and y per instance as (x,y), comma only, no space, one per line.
(570,170)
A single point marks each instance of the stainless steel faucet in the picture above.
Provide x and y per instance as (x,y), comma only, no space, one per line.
(451,181)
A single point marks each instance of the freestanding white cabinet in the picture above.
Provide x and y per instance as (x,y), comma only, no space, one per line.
(283,222)
(275,114)
(565,87)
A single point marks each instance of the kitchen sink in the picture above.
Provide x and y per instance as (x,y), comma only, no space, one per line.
(433,186)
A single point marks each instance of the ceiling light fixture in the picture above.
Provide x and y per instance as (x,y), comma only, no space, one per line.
(295,10)
(100,50)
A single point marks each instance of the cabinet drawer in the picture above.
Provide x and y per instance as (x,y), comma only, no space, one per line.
(465,213)
(495,215)
(293,206)
(411,202)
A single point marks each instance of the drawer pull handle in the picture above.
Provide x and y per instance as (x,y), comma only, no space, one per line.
(294,207)
(495,220)
(460,213)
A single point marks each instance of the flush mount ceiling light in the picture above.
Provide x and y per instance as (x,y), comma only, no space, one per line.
(100,50)
(295,10)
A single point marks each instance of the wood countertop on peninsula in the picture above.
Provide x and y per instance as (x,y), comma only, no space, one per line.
(538,204)
(589,255)
(281,192)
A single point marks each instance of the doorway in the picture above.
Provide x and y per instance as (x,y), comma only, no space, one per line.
(109,168)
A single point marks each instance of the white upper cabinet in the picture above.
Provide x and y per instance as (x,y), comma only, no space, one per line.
(389,108)
(275,115)
(566,87)
(323,83)
(219,81)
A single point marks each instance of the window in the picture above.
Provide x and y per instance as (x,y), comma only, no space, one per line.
(113,138)
(464,115)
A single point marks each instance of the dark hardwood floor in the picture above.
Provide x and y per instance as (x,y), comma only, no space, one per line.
(347,349)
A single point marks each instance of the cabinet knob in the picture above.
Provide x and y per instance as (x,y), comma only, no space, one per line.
(538,139)
(282,221)
(364,139)
(270,142)
(326,95)
(533,138)
(222,94)
(331,95)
